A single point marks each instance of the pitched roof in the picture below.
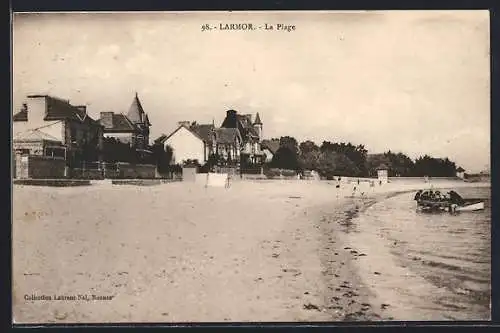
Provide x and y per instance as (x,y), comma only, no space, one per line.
(56,109)
(204,131)
(146,120)
(136,113)
(35,135)
(180,127)
(227,135)
(257,120)
(460,169)
(21,115)
(272,145)
(120,124)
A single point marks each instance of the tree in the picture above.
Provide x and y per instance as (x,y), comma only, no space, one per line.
(331,163)
(162,156)
(400,164)
(309,154)
(285,158)
(434,167)
(116,151)
(357,154)
(290,143)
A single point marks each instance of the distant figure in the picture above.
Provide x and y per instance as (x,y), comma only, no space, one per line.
(228,181)
(379,183)
(339,179)
(358,181)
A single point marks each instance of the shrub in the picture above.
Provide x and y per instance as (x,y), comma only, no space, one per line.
(272,173)
(288,173)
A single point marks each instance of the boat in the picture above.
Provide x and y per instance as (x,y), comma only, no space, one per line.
(434,201)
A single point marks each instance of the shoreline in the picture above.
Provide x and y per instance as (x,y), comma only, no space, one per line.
(350,295)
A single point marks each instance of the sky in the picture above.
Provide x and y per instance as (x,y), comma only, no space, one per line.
(411,81)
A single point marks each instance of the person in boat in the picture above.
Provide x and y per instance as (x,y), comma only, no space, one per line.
(431,195)
(418,195)
(456,198)
(424,195)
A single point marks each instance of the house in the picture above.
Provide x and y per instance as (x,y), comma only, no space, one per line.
(188,144)
(50,126)
(132,128)
(460,173)
(192,141)
(269,148)
(251,134)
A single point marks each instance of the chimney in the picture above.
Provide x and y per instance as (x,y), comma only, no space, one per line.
(107,119)
(231,120)
(37,106)
(186,123)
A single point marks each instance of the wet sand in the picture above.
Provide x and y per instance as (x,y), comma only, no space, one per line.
(258,251)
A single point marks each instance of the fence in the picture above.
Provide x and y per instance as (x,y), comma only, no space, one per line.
(251,171)
(227,170)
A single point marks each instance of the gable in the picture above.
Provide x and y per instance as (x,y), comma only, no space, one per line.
(183,133)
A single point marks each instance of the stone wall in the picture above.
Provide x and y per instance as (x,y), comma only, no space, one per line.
(87,173)
(39,167)
(134,171)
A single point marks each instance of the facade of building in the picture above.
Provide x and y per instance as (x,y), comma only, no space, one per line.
(50,126)
(191,141)
(132,128)
(250,132)
(186,145)
(460,172)
(237,137)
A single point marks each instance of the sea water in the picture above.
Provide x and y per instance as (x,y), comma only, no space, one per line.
(429,266)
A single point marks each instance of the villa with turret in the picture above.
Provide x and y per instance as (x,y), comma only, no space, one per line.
(131,128)
(236,141)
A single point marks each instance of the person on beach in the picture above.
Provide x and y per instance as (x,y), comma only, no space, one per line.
(228,181)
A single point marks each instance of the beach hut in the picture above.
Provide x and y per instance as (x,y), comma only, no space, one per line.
(383,174)
(461,172)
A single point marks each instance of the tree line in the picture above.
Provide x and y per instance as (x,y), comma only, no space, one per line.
(328,159)
(347,159)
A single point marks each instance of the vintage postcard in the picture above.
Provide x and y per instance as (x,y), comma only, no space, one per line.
(314,166)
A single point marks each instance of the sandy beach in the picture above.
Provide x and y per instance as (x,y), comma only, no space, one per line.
(259,251)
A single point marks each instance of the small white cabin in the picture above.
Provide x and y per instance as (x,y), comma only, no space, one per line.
(383,173)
